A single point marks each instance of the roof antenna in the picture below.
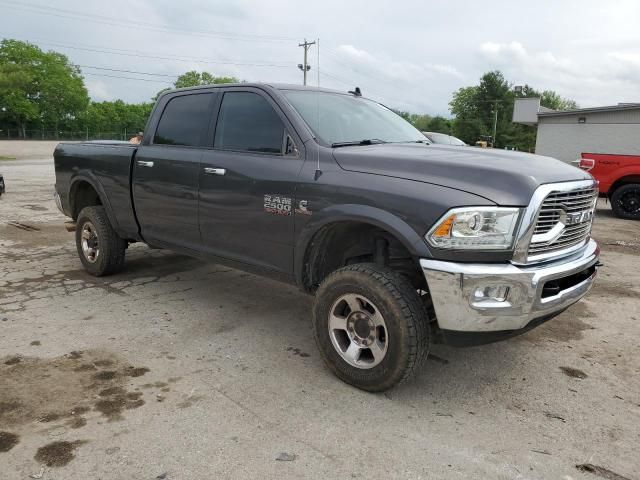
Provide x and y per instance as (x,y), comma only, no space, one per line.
(356,92)
(318,171)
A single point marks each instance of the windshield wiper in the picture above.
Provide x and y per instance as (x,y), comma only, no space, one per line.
(366,141)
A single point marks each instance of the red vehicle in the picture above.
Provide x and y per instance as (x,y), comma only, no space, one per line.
(619,180)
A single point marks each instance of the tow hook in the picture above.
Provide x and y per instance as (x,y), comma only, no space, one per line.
(599,264)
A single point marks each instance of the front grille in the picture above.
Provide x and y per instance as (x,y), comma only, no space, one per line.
(555,209)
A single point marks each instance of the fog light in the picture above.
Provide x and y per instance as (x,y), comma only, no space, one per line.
(497,293)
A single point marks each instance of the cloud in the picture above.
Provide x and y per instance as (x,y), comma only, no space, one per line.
(394,68)
(98,89)
(514,54)
(589,78)
(413,62)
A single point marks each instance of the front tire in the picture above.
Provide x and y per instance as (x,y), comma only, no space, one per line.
(100,248)
(625,201)
(370,326)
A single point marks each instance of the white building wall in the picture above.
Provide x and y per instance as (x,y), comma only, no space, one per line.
(566,139)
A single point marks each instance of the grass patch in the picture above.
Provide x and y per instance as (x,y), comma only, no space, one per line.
(4,157)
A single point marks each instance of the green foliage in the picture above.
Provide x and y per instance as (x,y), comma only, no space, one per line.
(39,85)
(439,124)
(427,123)
(193,78)
(41,90)
(475,108)
(552,100)
(116,116)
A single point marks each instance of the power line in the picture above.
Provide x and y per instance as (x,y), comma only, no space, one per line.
(138,54)
(336,58)
(351,84)
(127,78)
(129,71)
(62,13)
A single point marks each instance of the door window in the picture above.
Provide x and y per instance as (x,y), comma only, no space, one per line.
(247,122)
(184,120)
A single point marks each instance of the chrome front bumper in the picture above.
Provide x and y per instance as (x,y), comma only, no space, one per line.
(454,286)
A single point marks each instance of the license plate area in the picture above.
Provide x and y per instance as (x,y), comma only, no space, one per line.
(558,285)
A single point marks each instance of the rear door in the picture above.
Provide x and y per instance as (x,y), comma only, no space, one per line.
(247,182)
(166,172)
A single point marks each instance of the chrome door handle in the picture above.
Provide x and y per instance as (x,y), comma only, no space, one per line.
(215,171)
(142,163)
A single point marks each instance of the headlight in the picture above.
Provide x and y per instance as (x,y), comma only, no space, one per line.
(475,228)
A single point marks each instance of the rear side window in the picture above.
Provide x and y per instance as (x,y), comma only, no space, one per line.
(184,120)
(247,122)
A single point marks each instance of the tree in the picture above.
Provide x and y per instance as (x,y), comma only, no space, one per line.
(439,124)
(42,86)
(115,118)
(193,78)
(15,106)
(477,108)
(464,106)
(552,100)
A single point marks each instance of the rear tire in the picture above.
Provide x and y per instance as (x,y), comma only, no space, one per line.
(370,326)
(625,201)
(100,248)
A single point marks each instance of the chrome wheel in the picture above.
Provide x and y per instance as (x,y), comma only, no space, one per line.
(358,331)
(90,245)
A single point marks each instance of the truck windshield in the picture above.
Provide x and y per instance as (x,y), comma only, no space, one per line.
(341,120)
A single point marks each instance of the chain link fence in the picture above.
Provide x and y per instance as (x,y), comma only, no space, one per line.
(17,134)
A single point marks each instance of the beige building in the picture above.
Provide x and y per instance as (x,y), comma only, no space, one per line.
(567,134)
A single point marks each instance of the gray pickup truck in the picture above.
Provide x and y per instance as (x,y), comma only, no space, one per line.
(402,242)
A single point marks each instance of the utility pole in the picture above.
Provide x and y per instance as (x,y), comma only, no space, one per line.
(495,122)
(305,67)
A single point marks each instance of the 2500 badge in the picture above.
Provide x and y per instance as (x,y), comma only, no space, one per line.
(277,205)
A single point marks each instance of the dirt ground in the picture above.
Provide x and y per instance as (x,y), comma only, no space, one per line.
(20,149)
(178,369)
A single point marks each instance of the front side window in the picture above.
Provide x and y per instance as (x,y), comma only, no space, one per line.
(247,122)
(184,120)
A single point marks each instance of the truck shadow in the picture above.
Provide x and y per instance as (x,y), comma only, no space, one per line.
(283,315)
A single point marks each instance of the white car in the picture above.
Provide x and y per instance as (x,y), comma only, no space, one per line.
(444,139)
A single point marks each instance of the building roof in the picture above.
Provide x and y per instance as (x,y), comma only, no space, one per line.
(543,112)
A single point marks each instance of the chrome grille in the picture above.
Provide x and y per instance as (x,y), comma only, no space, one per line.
(555,209)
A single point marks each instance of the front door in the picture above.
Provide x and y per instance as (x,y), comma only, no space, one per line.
(247,183)
(166,173)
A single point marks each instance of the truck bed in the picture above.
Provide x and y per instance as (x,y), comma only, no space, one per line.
(105,165)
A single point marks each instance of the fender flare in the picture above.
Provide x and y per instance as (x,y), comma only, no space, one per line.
(377,217)
(631,171)
(90,178)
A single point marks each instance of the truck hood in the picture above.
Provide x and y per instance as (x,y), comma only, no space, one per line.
(504,177)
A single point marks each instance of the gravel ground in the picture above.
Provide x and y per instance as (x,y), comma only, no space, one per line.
(180,369)
(21,149)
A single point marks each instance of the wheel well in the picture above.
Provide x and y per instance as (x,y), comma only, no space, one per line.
(83,195)
(623,181)
(345,243)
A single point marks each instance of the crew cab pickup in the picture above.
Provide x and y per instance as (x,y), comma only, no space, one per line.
(618,179)
(402,242)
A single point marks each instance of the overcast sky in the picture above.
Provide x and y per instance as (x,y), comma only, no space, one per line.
(411,55)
